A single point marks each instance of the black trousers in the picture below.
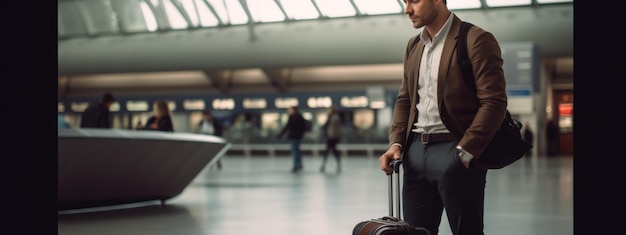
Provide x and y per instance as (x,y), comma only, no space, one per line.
(435,179)
(331,146)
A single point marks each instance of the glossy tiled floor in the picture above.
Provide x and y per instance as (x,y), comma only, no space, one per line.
(259,195)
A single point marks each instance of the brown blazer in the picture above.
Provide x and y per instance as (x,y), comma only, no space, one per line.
(473,117)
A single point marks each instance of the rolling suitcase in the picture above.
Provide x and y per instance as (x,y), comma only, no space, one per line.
(390,225)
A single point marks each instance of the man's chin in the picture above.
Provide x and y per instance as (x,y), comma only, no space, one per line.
(416,24)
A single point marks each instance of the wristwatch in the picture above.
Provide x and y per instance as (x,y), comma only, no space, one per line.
(463,154)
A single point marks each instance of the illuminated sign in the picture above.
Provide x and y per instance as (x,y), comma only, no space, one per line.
(376,96)
(171,105)
(256,103)
(115,107)
(79,106)
(223,104)
(377,104)
(285,102)
(137,105)
(319,102)
(354,102)
(566,109)
(193,104)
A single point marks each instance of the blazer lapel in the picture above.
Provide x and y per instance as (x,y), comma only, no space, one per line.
(417,57)
(446,57)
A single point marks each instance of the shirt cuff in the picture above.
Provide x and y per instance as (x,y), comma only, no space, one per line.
(396,144)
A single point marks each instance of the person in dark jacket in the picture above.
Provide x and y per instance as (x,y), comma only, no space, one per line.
(332,133)
(161,120)
(528,137)
(98,115)
(210,126)
(295,129)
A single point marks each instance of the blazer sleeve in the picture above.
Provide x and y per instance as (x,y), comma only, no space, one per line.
(484,52)
(402,108)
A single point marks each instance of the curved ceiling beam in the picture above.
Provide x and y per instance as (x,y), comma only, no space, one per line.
(221,79)
(279,77)
(324,42)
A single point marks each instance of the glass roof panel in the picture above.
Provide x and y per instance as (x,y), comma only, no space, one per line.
(336,8)
(190,9)
(95,17)
(299,9)
(506,3)
(553,1)
(99,17)
(129,13)
(220,8)
(463,4)
(377,7)
(236,13)
(207,17)
(265,11)
(69,21)
(176,20)
(148,15)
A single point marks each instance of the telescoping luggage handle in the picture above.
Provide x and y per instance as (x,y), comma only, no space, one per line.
(396,171)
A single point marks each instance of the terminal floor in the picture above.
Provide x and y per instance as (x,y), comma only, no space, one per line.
(259,195)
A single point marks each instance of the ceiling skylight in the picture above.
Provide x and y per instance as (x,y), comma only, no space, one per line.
(335,8)
(553,1)
(300,9)
(265,11)
(507,3)
(235,11)
(95,17)
(463,4)
(377,7)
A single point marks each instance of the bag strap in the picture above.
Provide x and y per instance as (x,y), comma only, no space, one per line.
(468,71)
(464,61)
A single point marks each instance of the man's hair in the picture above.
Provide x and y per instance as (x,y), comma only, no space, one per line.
(107,98)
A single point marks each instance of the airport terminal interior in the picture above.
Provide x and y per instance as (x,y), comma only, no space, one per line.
(247,61)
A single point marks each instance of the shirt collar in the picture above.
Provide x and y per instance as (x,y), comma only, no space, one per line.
(439,36)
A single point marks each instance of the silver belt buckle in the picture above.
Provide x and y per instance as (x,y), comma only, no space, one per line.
(424,140)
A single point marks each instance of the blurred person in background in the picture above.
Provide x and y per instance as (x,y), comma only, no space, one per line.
(295,129)
(161,119)
(210,126)
(98,115)
(61,122)
(332,133)
(528,136)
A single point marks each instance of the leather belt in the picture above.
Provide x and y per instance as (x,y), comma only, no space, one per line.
(435,137)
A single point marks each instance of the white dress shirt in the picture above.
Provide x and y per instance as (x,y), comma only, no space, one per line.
(428,119)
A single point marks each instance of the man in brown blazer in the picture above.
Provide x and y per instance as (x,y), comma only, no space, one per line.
(441,124)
